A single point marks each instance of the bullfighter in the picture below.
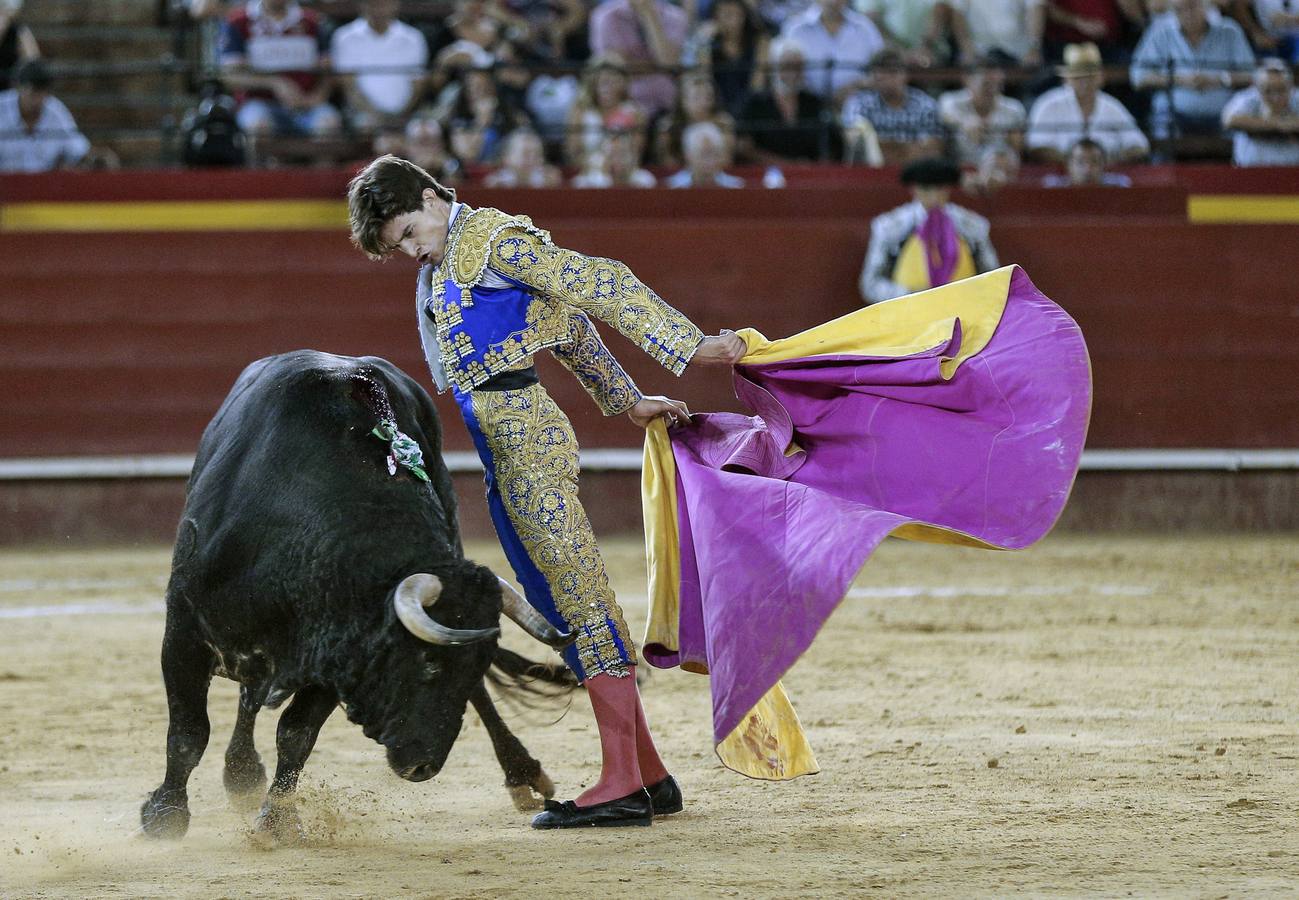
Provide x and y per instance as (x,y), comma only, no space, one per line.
(494,290)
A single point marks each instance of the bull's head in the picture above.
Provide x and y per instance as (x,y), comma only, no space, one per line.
(454,616)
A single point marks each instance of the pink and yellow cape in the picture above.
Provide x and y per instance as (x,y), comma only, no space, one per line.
(952,416)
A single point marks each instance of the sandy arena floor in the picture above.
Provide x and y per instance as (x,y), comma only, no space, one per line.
(1097,716)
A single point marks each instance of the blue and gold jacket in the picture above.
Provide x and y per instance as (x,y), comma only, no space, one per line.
(504,291)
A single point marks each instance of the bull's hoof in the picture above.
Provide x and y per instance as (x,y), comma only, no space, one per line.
(245,786)
(278,826)
(531,796)
(164,817)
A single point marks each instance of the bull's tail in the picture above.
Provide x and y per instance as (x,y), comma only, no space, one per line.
(520,668)
(530,683)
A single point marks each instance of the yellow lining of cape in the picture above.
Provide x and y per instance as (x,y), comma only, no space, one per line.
(769,742)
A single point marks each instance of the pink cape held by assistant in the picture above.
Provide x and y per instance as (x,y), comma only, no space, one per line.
(954,416)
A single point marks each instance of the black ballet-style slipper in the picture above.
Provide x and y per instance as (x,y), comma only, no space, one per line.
(665,797)
(634,809)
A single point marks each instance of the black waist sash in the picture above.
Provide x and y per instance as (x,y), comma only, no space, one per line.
(512,380)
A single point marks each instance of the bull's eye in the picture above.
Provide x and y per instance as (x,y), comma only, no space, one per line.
(431,672)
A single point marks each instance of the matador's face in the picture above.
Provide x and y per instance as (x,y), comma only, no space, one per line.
(422,233)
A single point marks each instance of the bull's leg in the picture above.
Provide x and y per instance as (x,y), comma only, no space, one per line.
(244,776)
(186,673)
(523,774)
(294,739)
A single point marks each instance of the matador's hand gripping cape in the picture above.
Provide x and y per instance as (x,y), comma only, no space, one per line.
(953,416)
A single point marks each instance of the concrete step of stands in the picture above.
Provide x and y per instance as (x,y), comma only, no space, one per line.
(100,112)
(91,12)
(115,71)
(73,44)
(136,148)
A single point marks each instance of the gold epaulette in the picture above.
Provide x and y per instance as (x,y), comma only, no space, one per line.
(470,241)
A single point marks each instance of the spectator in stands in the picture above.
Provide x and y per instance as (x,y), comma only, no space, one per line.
(37,133)
(423,142)
(475,28)
(524,163)
(1100,22)
(697,101)
(980,116)
(1265,119)
(706,159)
(928,242)
(604,104)
(615,164)
(775,13)
(1078,109)
(732,45)
(916,27)
(904,118)
(274,55)
(998,167)
(837,44)
(546,30)
(17,43)
(1011,30)
(1278,27)
(549,100)
(785,121)
(481,118)
(649,35)
(1085,167)
(1194,62)
(383,60)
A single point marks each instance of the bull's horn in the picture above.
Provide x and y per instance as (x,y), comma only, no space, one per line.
(413,595)
(531,621)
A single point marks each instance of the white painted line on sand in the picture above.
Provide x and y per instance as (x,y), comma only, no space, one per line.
(100,607)
(946,591)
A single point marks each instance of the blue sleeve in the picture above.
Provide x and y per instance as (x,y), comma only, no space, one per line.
(231,42)
(1242,54)
(1147,59)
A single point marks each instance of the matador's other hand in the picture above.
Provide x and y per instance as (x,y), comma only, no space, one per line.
(647,409)
(725,349)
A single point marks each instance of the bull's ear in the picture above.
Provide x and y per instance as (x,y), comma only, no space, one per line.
(489,584)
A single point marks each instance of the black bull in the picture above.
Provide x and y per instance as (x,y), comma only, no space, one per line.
(304,569)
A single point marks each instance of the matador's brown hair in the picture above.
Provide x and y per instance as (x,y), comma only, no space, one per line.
(382,191)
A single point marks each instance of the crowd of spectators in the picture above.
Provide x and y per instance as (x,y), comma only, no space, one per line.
(613,91)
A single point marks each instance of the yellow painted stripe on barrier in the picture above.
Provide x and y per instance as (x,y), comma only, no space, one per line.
(177,215)
(1242,209)
(330,215)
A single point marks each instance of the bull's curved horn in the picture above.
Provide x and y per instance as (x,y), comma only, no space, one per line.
(422,590)
(531,621)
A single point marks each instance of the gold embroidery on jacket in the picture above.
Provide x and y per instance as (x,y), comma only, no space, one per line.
(471,238)
(590,361)
(534,454)
(605,288)
(561,279)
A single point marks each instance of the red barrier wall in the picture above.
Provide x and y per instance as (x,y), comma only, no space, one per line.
(127,342)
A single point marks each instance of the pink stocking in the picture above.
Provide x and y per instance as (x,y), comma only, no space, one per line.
(652,769)
(616,705)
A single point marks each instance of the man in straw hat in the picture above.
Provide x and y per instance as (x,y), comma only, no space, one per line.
(1080,109)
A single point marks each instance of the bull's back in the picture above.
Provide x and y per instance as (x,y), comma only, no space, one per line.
(290,491)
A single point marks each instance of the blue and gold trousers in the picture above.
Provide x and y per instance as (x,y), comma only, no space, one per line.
(529,453)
